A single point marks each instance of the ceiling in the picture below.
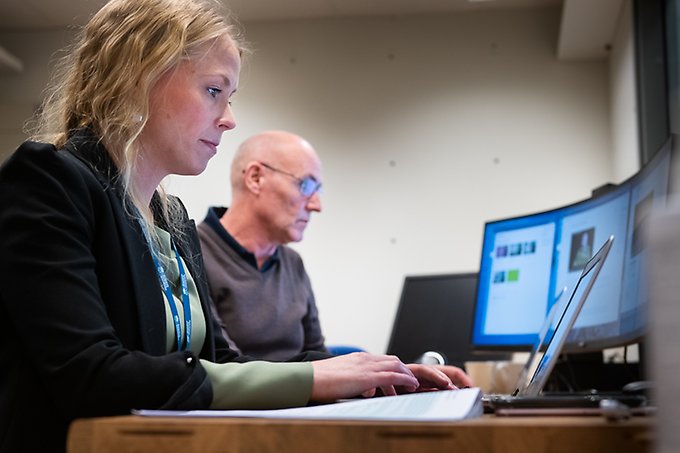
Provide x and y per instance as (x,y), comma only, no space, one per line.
(36,14)
(582,33)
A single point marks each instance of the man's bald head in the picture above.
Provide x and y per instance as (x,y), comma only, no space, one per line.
(275,178)
(279,149)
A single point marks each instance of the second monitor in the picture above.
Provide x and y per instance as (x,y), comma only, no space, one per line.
(435,314)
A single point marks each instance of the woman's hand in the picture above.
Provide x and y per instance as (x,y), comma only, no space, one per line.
(430,377)
(459,378)
(360,373)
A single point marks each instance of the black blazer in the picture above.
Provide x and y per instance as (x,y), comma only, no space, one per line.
(82,323)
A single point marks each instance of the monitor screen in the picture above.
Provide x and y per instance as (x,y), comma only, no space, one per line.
(582,228)
(648,193)
(615,312)
(528,262)
(515,290)
(435,314)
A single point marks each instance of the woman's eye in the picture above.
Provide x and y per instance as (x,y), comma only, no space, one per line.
(214,91)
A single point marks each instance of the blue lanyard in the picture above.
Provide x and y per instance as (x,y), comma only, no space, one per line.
(171,300)
(168,291)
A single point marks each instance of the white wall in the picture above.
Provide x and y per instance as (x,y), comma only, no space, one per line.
(427,128)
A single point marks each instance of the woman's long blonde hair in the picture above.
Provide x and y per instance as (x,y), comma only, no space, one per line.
(104,80)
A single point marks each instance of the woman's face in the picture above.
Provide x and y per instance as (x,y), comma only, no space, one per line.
(189,109)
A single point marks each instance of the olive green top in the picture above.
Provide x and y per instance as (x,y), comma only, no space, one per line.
(251,385)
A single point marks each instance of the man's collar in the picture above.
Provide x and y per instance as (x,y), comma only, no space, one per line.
(215,213)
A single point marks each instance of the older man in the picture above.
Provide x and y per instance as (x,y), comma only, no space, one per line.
(259,285)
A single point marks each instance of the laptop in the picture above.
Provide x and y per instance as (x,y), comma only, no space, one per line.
(546,350)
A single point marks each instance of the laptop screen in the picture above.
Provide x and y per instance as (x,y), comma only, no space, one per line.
(565,321)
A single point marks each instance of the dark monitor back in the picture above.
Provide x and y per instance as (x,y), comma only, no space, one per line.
(435,314)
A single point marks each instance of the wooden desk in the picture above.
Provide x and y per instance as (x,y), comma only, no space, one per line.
(487,434)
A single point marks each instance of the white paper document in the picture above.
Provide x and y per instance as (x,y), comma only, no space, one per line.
(446,405)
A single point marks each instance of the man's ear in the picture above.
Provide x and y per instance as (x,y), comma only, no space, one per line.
(252,177)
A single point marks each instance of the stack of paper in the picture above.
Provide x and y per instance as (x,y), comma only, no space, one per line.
(428,406)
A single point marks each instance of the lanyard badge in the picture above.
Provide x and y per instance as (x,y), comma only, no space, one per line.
(186,303)
(160,271)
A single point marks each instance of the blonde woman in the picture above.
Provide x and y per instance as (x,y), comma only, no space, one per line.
(103,299)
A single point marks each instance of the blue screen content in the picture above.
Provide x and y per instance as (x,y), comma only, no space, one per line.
(528,263)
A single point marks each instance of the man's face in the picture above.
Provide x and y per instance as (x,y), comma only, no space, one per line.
(287,209)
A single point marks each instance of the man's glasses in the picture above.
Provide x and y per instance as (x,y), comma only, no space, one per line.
(308,185)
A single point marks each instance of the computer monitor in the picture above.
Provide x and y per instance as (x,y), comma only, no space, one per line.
(528,261)
(582,228)
(648,193)
(515,291)
(435,314)
(617,312)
